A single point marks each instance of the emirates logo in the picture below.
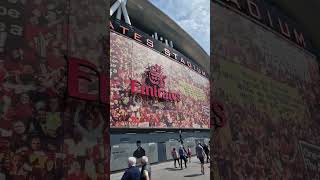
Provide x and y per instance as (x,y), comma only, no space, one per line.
(154,85)
(155,76)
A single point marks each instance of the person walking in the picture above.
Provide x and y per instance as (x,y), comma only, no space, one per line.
(132,173)
(207,151)
(145,169)
(139,152)
(182,155)
(200,155)
(175,157)
(189,153)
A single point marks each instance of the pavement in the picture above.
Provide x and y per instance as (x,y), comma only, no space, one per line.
(166,171)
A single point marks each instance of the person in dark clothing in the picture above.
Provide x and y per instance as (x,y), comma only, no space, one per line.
(145,169)
(207,151)
(139,152)
(182,154)
(200,155)
(132,173)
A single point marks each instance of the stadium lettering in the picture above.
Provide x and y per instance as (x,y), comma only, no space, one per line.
(265,14)
(147,40)
(79,69)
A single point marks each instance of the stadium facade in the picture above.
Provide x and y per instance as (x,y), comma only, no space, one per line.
(159,84)
(52,126)
(266,75)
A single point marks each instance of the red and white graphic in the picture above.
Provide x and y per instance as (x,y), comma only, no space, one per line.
(155,76)
(154,85)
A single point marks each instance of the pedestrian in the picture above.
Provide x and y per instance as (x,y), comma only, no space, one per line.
(145,169)
(207,151)
(182,155)
(132,173)
(175,157)
(189,153)
(139,152)
(200,155)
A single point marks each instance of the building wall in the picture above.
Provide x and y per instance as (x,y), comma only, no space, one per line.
(129,60)
(268,87)
(41,135)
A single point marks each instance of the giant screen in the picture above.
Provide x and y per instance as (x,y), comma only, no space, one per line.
(150,90)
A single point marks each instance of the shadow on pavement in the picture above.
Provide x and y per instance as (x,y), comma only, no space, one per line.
(200,163)
(173,169)
(193,175)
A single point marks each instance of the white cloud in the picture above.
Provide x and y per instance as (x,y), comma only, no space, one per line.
(192,15)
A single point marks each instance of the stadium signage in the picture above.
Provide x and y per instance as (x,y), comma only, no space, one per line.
(143,38)
(80,69)
(270,17)
(154,85)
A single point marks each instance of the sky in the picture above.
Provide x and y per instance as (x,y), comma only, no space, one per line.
(192,15)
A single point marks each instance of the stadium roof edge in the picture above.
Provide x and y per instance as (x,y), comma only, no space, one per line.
(144,15)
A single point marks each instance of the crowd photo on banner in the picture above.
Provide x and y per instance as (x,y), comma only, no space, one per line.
(44,134)
(270,101)
(136,110)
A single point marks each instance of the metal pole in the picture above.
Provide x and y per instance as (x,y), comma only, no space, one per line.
(156,35)
(180,137)
(171,44)
(114,7)
(125,12)
(119,13)
(166,42)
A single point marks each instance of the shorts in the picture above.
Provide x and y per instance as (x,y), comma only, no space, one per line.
(201,160)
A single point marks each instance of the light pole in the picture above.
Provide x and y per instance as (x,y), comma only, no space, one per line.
(180,137)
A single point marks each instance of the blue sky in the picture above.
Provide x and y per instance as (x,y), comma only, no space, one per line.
(192,15)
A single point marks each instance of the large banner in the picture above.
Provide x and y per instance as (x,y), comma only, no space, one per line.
(150,90)
(268,88)
(44,133)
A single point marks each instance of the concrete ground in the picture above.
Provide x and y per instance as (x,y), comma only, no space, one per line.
(166,171)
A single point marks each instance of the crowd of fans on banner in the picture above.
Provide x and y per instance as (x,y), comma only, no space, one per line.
(134,110)
(262,145)
(39,136)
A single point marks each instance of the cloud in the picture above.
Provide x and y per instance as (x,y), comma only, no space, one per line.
(192,15)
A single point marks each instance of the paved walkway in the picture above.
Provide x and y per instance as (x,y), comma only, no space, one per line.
(166,171)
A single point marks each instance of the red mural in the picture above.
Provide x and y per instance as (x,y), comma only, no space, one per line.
(256,143)
(150,90)
(44,134)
